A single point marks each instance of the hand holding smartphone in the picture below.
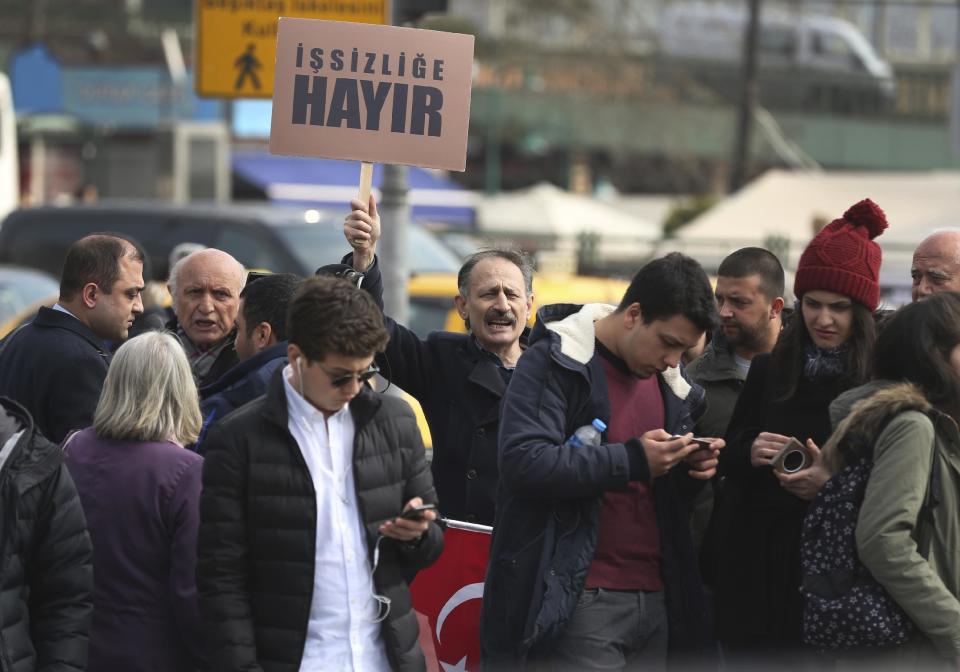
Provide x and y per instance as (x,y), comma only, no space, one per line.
(701,441)
(416,512)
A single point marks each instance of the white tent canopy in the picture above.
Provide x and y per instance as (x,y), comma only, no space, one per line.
(548,211)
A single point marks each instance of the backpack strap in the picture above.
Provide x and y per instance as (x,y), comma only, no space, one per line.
(931,499)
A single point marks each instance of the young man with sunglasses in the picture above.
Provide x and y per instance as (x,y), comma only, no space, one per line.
(303,552)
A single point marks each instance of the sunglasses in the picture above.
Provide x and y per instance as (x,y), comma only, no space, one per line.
(362,377)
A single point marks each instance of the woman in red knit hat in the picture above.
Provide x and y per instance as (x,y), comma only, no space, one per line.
(825,349)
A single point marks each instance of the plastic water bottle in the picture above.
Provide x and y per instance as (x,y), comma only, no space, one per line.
(588,435)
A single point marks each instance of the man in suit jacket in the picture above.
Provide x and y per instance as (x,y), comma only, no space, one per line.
(55,365)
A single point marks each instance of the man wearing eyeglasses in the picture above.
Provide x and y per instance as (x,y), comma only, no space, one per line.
(459,379)
(303,551)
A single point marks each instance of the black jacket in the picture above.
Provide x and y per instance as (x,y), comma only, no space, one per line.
(752,554)
(459,388)
(548,510)
(258,527)
(55,367)
(46,576)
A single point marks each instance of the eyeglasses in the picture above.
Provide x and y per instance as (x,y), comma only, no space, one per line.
(362,377)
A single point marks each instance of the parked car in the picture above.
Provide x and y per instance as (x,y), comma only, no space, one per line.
(22,289)
(282,240)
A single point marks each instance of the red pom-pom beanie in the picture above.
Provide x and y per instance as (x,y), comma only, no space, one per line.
(843,258)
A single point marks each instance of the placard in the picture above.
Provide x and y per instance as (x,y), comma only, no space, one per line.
(381,94)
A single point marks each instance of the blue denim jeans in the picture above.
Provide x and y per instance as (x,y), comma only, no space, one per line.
(614,630)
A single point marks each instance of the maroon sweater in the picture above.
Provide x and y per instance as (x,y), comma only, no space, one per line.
(628,544)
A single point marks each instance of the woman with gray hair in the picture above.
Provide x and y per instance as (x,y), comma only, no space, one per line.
(140,490)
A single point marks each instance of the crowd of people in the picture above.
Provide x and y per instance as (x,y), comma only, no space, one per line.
(225,490)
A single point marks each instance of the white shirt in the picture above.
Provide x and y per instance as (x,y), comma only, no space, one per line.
(341,633)
(60,309)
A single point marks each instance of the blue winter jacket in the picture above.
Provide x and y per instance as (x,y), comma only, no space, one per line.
(242,384)
(550,496)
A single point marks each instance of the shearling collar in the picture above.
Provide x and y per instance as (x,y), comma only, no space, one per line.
(871,407)
(577,341)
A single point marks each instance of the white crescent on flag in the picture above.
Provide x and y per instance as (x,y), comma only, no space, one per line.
(471,591)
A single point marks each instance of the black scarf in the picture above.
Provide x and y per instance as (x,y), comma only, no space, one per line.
(822,365)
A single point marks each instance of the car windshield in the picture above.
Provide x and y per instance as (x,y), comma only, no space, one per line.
(317,245)
(19,289)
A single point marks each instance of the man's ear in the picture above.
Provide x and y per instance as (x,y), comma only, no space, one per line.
(89,295)
(263,335)
(776,306)
(293,352)
(632,315)
(461,304)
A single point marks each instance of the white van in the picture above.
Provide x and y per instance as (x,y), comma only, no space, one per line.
(9,165)
(802,59)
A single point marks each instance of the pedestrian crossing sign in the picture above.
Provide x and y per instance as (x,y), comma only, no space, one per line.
(236,40)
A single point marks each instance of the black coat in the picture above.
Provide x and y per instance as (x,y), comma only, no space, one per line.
(551,496)
(754,541)
(55,367)
(46,575)
(459,388)
(258,528)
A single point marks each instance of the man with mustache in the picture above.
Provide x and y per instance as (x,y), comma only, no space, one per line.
(459,379)
(749,293)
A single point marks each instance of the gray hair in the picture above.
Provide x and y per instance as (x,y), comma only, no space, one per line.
(174,279)
(149,393)
(515,257)
(181,250)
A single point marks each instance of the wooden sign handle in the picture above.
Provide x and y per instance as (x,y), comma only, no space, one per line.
(366,184)
(366,181)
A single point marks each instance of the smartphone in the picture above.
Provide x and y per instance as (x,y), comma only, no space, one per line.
(701,441)
(793,457)
(416,512)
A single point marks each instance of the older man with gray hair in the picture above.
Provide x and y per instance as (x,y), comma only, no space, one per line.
(936,264)
(205,287)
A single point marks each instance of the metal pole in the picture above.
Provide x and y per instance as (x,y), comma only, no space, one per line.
(395,217)
(748,100)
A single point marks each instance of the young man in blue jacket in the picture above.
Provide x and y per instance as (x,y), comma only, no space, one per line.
(261,346)
(591,563)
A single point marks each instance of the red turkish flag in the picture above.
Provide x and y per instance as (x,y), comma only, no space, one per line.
(449,593)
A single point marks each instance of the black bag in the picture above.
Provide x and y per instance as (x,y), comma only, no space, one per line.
(844,606)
